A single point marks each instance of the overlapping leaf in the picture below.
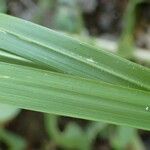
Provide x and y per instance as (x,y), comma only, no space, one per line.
(55,50)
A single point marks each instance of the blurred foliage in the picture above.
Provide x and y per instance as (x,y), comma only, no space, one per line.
(126,138)
(42,7)
(126,44)
(73,137)
(14,142)
(3,6)
(68,16)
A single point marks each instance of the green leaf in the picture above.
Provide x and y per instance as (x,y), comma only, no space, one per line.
(67,95)
(55,50)
(14,59)
(57,93)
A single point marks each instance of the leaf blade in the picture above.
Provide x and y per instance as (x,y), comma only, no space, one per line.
(72,96)
(53,49)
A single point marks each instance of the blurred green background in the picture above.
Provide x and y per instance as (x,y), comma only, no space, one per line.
(119,26)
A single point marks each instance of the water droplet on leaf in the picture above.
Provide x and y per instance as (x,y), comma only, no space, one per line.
(147,108)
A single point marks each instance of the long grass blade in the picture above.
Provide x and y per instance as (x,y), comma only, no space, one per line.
(61,94)
(55,50)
